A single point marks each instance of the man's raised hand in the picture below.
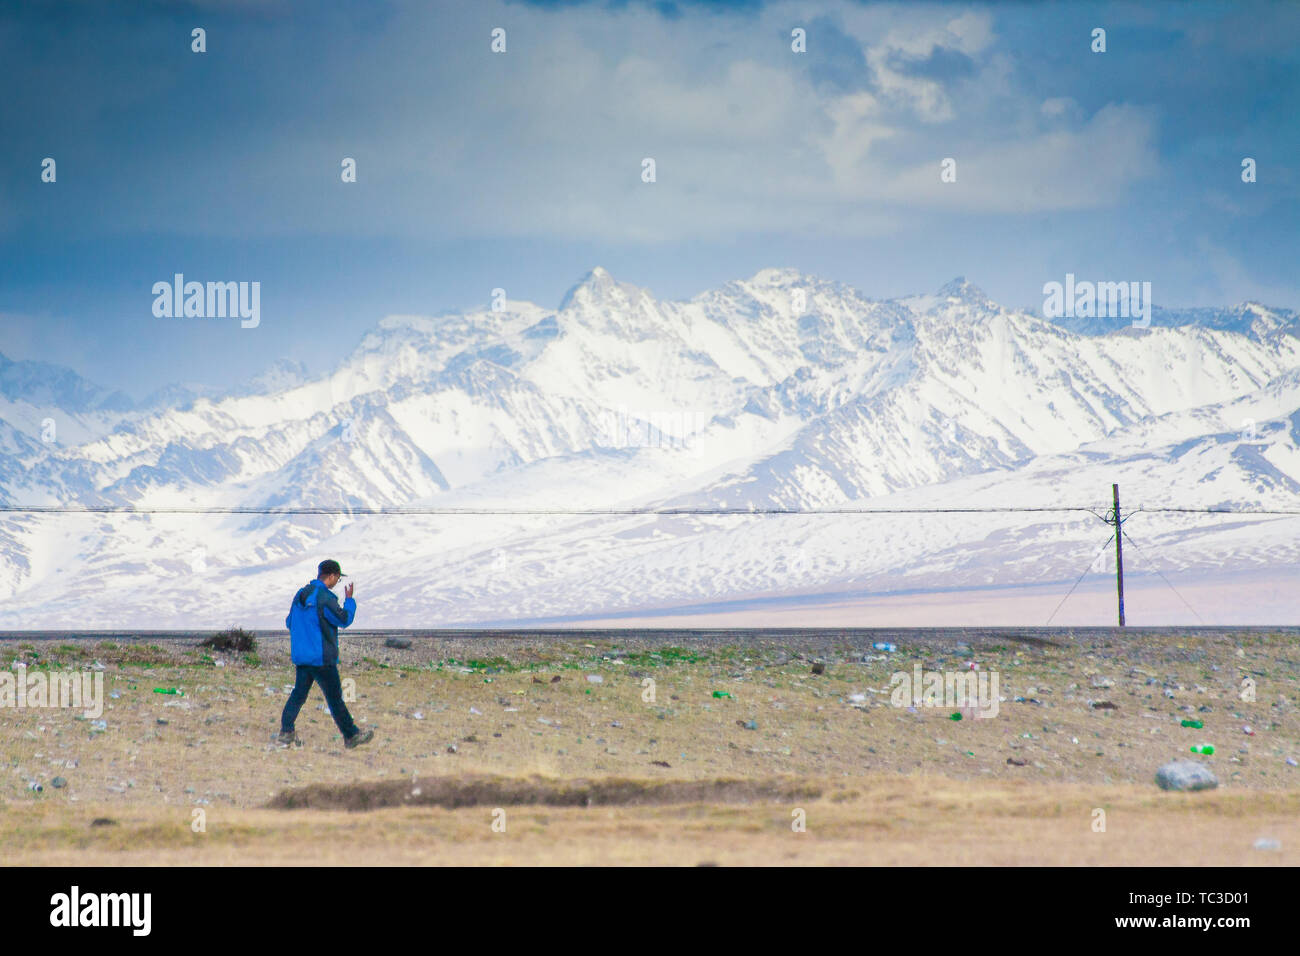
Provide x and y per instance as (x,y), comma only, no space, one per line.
(347,591)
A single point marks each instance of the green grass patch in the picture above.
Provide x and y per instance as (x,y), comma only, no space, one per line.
(492,665)
(663,657)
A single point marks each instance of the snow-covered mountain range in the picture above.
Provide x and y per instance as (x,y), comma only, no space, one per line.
(781,391)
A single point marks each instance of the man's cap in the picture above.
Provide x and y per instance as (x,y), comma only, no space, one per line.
(329,567)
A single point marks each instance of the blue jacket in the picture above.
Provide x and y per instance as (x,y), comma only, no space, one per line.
(313,622)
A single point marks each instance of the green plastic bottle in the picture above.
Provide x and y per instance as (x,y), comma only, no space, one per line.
(955,715)
(721,693)
(1206,749)
(1193,723)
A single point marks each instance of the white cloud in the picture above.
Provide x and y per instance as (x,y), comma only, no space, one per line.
(1087,167)
(1058,106)
(547,140)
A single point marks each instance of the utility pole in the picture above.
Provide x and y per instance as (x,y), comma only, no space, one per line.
(1119,555)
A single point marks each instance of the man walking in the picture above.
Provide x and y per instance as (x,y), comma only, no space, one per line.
(313,623)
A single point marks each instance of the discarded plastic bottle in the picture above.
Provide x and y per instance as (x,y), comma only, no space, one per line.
(884,646)
(721,693)
(1192,723)
(168,690)
(955,715)
(1206,749)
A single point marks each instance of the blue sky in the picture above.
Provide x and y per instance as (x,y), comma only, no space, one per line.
(522,170)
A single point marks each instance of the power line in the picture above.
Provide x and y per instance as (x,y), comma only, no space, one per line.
(1130,540)
(131,509)
(582,512)
(1222,511)
(1099,551)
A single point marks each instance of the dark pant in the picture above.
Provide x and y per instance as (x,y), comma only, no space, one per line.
(328,678)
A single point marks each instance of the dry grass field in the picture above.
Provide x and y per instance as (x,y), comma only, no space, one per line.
(481,756)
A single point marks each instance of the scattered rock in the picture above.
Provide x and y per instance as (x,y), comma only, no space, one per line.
(1186,775)
(1103,705)
(58,783)
(1264,843)
(103,822)
(660,763)
(555,679)
(819,668)
(401,643)
(1014,762)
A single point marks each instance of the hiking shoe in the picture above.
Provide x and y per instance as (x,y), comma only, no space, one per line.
(359,738)
(290,739)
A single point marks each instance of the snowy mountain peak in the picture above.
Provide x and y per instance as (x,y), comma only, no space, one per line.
(778,277)
(42,384)
(957,298)
(599,289)
(964,291)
